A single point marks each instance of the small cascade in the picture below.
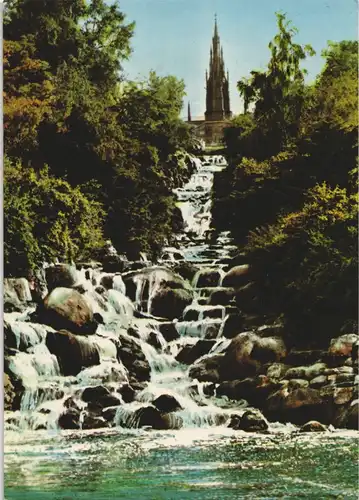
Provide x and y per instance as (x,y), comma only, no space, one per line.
(130,345)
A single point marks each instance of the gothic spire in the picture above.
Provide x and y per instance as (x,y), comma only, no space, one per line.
(215,27)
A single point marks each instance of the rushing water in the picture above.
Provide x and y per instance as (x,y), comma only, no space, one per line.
(203,460)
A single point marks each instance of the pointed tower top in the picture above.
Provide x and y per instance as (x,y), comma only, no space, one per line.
(215,26)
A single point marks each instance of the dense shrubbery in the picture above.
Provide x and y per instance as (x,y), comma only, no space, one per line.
(45,218)
(66,106)
(291,187)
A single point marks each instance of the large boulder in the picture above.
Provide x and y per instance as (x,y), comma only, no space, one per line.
(233,325)
(149,416)
(73,352)
(60,275)
(67,309)
(166,403)
(254,390)
(129,352)
(247,353)
(170,303)
(237,277)
(168,331)
(313,426)
(207,278)
(186,269)
(299,406)
(99,397)
(207,369)
(189,354)
(253,421)
(221,296)
(343,345)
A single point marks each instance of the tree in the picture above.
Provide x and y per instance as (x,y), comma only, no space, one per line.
(45,218)
(277,93)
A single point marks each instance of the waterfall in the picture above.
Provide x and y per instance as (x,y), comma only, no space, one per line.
(106,359)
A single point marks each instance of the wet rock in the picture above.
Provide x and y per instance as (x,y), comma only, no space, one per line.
(191,315)
(254,390)
(70,419)
(109,413)
(276,371)
(343,345)
(247,298)
(221,296)
(9,393)
(94,422)
(186,269)
(237,277)
(189,354)
(154,341)
(170,303)
(352,416)
(168,331)
(107,281)
(297,383)
(129,352)
(208,369)
(251,421)
(215,312)
(342,395)
(114,264)
(273,330)
(298,372)
(72,351)
(208,278)
(233,325)
(166,403)
(38,284)
(149,416)
(298,406)
(94,393)
(60,275)
(355,352)
(16,293)
(127,393)
(247,352)
(313,426)
(318,382)
(18,286)
(67,309)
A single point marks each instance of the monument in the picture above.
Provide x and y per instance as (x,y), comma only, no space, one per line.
(218,111)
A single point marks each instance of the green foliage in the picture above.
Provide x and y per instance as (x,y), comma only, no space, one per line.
(295,212)
(277,93)
(67,106)
(45,218)
(308,262)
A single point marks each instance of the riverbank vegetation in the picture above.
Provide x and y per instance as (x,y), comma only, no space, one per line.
(290,192)
(89,155)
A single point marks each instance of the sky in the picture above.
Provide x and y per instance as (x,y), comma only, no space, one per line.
(174,37)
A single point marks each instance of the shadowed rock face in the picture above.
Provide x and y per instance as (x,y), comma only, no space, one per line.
(237,277)
(169,303)
(247,352)
(60,275)
(73,352)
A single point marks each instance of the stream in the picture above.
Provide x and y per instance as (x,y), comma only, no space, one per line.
(197,456)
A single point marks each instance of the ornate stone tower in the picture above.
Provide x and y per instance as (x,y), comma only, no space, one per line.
(217,96)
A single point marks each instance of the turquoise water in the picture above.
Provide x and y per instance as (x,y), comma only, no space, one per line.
(188,464)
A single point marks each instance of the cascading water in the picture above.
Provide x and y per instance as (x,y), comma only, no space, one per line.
(47,392)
